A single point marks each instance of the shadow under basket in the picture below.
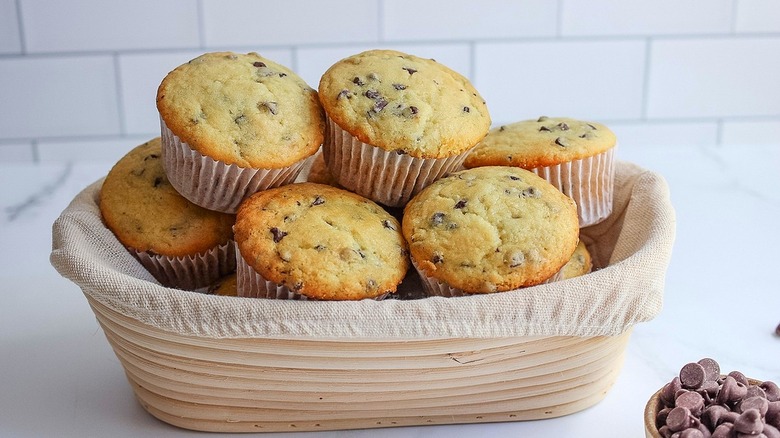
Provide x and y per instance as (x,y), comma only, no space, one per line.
(229,364)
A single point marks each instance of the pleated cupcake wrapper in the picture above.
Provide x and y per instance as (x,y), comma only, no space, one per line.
(589,182)
(213,184)
(250,284)
(434,287)
(383,176)
(190,272)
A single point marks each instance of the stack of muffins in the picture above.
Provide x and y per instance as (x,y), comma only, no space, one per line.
(213,205)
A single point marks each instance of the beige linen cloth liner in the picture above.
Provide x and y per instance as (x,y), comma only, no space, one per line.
(633,245)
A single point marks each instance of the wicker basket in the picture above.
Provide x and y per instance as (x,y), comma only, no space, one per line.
(270,365)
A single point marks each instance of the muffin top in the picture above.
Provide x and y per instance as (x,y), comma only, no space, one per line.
(543,142)
(322,242)
(579,264)
(491,229)
(242,109)
(146,213)
(403,103)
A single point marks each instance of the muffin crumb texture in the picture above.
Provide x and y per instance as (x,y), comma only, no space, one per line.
(491,229)
(322,242)
(400,102)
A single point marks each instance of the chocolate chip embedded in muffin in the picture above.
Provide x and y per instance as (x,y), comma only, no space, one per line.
(320,242)
(466,232)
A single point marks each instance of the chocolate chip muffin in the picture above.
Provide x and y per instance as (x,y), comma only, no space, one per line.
(397,122)
(181,244)
(489,229)
(313,241)
(234,124)
(579,264)
(573,155)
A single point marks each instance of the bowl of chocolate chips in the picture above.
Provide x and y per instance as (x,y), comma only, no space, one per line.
(703,403)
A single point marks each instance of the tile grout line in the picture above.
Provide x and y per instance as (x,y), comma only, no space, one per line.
(20,25)
(120,102)
(646,79)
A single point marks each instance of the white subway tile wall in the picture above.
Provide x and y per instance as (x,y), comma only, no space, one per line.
(78,78)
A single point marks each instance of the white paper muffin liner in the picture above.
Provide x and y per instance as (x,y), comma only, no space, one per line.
(213,184)
(589,182)
(190,272)
(250,284)
(434,287)
(387,177)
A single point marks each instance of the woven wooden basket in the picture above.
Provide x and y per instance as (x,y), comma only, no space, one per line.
(489,371)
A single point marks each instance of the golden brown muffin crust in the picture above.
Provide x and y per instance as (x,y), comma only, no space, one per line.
(541,142)
(242,109)
(491,229)
(400,102)
(147,214)
(322,242)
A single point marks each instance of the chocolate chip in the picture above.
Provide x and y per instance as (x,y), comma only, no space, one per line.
(544,128)
(410,70)
(151,156)
(297,286)
(373,76)
(258,64)
(389,225)
(749,422)
(514,178)
(319,247)
(501,128)
(437,258)
(739,377)
(357,81)
(372,94)
(270,106)
(281,75)
(461,204)
(563,126)
(379,105)
(711,369)
(560,141)
(692,375)
(693,401)
(542,118)
(318,200)
(756,402)
(723,431)
(731,391)
(530,192)
(157,181)
(240,119)
(278,234)
(713,415)
(413,109)
(679,419)
(772,391)
(437,218)
(466,109)
(669,390)
(399,86)
(400,152)
(344,93)
(592,127)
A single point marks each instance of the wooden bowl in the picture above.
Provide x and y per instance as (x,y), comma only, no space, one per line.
(654,405)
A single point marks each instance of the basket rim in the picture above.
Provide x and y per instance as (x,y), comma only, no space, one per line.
(631,283)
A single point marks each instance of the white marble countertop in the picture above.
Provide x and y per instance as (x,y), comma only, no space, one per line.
(59,377)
